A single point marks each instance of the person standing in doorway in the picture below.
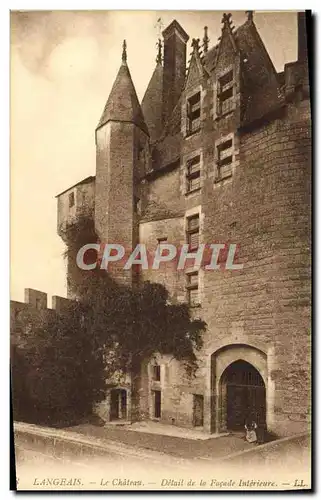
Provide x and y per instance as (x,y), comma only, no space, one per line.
(250,430)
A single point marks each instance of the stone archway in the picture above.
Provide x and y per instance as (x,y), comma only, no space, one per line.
(242,395)
(222,363)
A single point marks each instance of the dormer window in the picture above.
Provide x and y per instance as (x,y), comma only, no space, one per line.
(225,93)
(71,199)
(193,113)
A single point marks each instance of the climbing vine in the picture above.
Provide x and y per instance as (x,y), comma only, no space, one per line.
(108,328)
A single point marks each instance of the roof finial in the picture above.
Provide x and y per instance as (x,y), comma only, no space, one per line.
(205,40)
(226,19)
(249,14)
(159,52)
(195,44)
(159,26)
(124,54)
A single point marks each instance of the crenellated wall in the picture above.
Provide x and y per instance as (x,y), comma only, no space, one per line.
(34,306)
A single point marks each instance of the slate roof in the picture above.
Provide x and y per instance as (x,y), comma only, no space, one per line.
(122,104)
(152,103)
(264,85)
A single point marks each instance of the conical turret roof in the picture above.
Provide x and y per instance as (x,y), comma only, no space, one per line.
(122,104)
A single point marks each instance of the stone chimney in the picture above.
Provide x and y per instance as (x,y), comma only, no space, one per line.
(302,37)
(175,39)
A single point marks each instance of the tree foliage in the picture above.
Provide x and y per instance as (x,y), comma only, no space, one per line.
(136,323)
(63,360)
(57,368)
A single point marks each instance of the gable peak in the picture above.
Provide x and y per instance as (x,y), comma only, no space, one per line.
(228,28)
(249,14)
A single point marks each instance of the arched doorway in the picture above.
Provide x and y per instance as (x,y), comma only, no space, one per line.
(242,394)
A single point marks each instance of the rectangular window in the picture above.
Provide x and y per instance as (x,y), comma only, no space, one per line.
(225,93)
(157,396)
(193,232)
(156,373)
(225,159)
(71,199)
(194,113)
(192,289)
(198,410)
(193,174)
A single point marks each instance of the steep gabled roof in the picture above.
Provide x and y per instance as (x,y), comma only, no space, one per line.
(122,104)
(195,69)
(262,86)
(152,103)
(263,89)
(209,59)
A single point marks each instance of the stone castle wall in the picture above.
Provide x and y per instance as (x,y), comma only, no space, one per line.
(265,209)
(261,313)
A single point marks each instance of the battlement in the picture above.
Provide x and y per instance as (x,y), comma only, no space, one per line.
(36,303)
(39,300)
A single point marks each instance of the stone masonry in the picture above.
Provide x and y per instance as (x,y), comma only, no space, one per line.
(249,129)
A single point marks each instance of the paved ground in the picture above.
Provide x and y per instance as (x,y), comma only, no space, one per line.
(87,457)
(151,427)
(177,446)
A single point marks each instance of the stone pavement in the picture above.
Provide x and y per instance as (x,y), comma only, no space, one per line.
(178,446)
(166,430)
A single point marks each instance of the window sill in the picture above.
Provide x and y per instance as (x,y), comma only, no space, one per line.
(217,180)
(190,134)
(192,191)
(194,306)
(224,114)
(193,250)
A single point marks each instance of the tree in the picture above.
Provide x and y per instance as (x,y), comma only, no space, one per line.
(68,357)
(62,369)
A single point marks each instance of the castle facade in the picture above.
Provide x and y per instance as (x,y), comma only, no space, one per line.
(219,150)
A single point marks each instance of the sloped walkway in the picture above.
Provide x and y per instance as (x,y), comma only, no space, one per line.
(183,447)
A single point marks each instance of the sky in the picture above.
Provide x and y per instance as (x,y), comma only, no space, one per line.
(63,65)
